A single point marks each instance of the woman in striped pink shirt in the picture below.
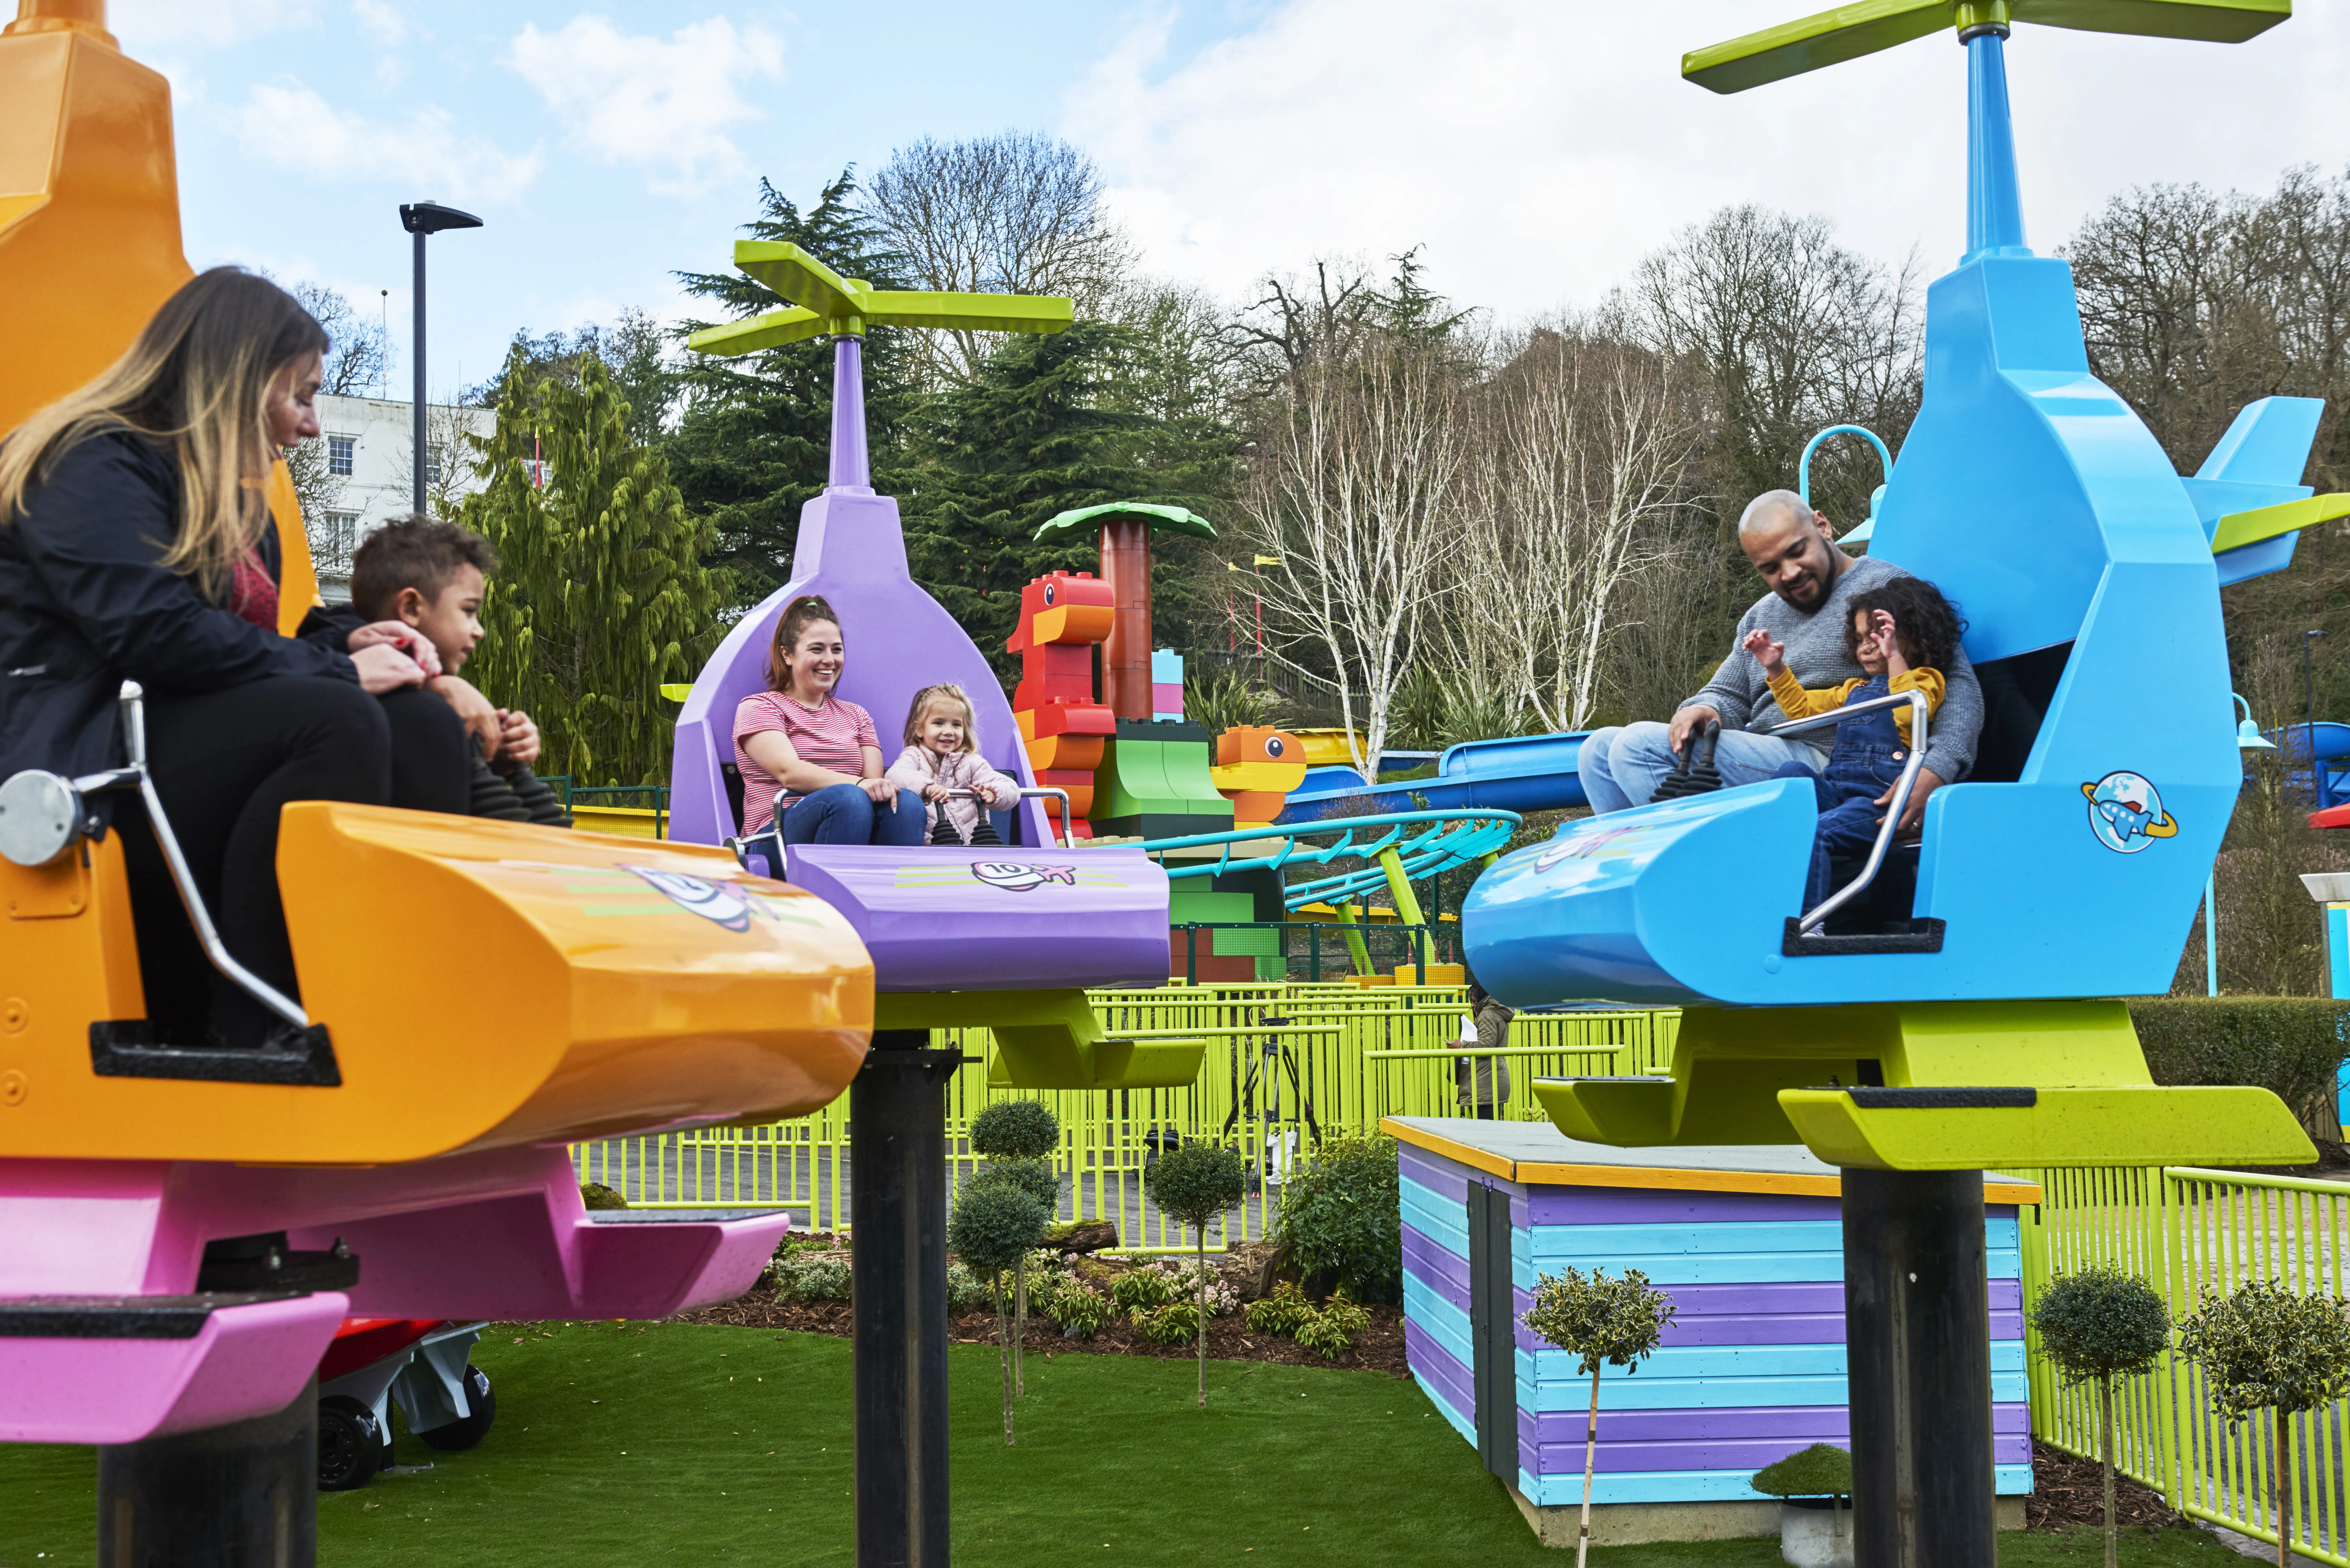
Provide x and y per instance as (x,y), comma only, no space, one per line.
(808,757)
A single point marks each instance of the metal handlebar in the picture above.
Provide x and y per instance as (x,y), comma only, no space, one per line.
(1812,920)
(1067,840)
(134,774)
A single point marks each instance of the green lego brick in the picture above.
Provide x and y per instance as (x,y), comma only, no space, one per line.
(1184,905)
(1158,771)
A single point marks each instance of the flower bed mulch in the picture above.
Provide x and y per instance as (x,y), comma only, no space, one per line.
(2067,1491)
(1379,1348)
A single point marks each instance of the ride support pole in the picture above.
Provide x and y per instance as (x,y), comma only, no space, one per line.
(240,1496)
(898,1267)
(1918,1344)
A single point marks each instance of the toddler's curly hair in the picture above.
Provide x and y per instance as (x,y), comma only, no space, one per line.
(1927,624)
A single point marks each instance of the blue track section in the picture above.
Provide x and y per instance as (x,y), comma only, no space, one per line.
(1530,773)
(1426,842)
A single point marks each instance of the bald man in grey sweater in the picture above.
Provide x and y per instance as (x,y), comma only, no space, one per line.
(1811,582)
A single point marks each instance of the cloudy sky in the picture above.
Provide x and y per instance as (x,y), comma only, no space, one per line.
(1533,148)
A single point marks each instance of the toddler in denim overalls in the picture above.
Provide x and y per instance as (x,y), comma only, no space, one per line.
(1871,750)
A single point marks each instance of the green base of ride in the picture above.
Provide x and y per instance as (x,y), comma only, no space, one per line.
(1048,1039)
(1928,1087)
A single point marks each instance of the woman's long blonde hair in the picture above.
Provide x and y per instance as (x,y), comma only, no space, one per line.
(195,380)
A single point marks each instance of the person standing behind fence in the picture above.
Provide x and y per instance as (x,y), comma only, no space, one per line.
(1482,1082)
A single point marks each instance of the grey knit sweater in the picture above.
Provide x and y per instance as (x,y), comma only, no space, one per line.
(1817,657)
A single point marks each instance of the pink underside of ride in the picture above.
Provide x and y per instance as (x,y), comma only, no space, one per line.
(500,1235)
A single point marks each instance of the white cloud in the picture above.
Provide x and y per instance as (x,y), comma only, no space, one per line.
(143,22)
(287,126)
(1538,150)
(666,105)
(382,22)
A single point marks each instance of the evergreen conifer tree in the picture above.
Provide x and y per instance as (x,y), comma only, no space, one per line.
(753,443)
(601,594)
(1033,437)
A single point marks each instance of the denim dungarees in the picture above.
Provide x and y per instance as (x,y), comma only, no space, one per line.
(1868,761)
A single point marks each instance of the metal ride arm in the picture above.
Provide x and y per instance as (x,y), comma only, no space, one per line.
(1812,920)
(133,775)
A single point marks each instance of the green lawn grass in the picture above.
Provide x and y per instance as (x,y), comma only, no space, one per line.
(628,1445)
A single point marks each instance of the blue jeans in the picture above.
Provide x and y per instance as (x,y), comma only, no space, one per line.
(1622,766)
(843,814)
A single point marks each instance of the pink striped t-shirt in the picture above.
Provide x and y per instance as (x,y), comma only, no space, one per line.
(832,736)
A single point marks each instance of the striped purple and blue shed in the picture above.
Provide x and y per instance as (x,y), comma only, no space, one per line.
(1749,1243)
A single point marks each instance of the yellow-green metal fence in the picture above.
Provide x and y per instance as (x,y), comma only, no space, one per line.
(2187,1232)
(1286,1066)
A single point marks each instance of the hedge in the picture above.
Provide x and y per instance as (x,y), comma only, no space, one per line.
(2292,1045)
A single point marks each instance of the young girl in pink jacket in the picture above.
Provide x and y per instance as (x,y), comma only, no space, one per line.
(942,753)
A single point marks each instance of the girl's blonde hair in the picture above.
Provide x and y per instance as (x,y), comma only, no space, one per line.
(947,692)
(193,381)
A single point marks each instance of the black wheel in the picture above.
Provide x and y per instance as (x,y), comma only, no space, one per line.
(465,1434)
(350,1444)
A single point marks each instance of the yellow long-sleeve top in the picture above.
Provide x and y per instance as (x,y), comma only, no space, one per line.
(1798,701)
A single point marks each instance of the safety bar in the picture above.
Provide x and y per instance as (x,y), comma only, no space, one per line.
(1812,920)
(134,774)
(1068,831)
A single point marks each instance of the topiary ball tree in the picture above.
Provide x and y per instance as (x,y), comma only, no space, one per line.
(1821,1471)
(2095,1324)
(1019,1137)
(2264,1347)
(991,1228)
(1197,1183)
(1015,1129)
(1606,1322)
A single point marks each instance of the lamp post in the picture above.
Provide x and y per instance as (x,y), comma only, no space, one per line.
(420,219)
(2247,739)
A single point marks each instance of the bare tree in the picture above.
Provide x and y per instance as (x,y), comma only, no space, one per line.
(1296,325)
(1012,214)
(1794,333)
(357,354)
(1351,494)
(1580,455)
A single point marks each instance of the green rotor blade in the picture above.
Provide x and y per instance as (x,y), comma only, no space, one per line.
(773,330)
(1829,39)
(798,278)
(970,312)
(2205,21)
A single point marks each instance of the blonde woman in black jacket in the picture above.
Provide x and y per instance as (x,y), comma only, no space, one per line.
(135,543)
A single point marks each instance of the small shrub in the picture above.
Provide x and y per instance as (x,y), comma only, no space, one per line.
(1334,1330)
(1142,1287)
(1174,1323)
(2263,1346)
(1341,1213)
(811,1277)
(1080,1311)
(596,1195)
(1604,1321)
(965,1290)
(1821,1471)
(993,1226)
(2098,1323)
(1015,1129)
(1036,1178)
(1282,1312)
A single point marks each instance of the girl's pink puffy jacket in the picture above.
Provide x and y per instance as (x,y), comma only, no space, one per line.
(916,767)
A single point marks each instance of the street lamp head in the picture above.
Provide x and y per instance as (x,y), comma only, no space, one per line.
(432,217)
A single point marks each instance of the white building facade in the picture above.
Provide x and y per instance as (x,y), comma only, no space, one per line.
(359,472)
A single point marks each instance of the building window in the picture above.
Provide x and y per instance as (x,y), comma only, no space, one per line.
(432,464)
(340,451)
(536,469)
(332,541)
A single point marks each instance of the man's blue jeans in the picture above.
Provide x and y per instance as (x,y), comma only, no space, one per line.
(1622,765)
(843,814)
